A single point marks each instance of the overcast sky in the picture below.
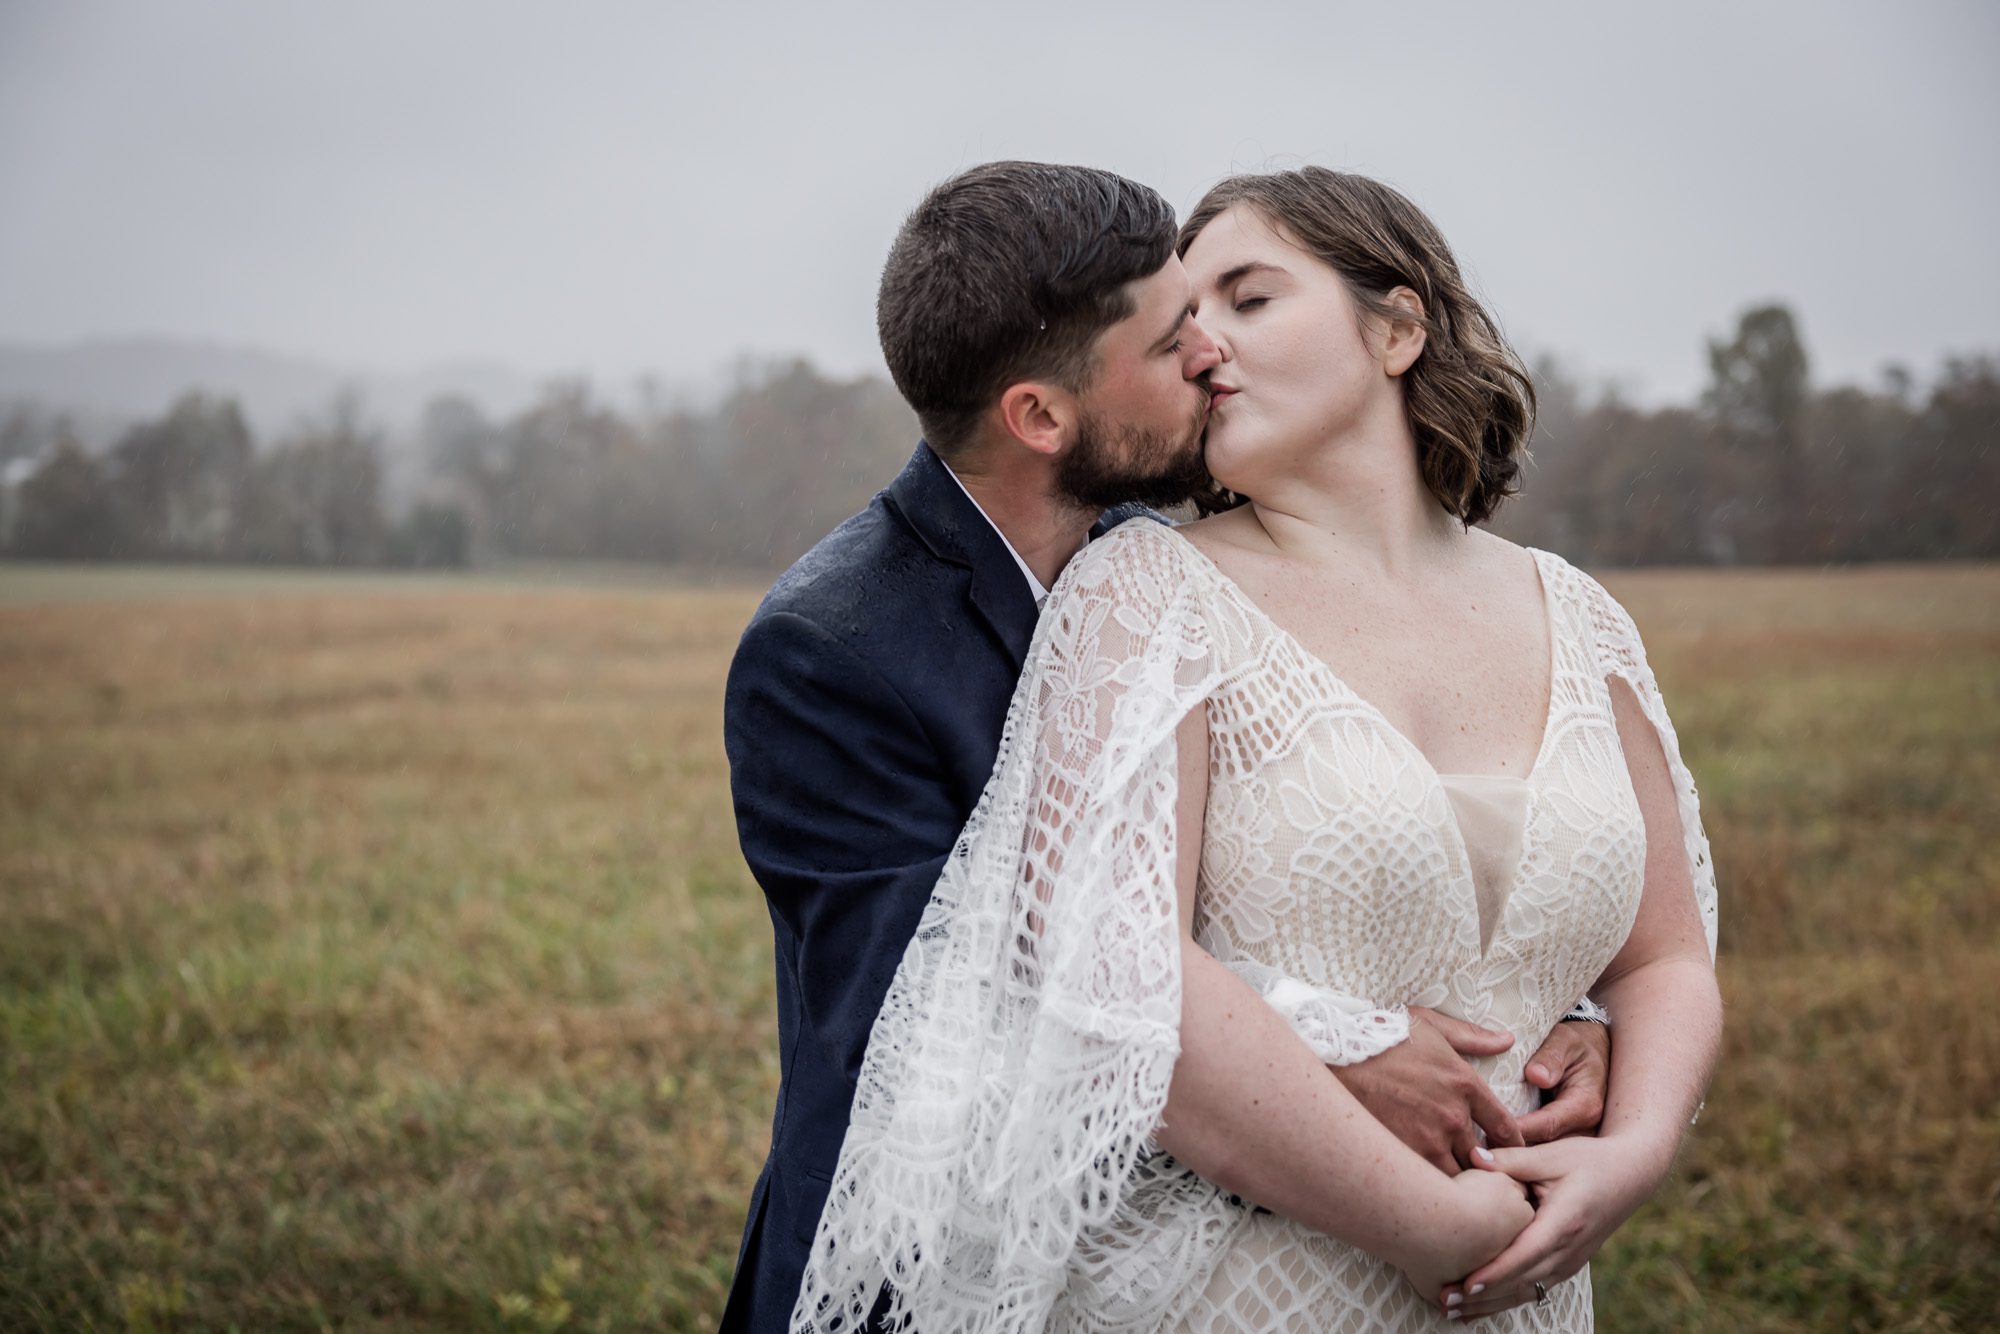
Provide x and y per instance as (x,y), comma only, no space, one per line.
(622,188)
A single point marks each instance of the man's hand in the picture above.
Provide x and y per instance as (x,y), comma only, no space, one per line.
(1424,1091)
(1576,1063)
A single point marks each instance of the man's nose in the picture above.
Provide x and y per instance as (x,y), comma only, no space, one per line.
(1202,354)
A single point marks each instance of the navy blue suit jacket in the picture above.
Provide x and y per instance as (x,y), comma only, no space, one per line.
(862,718)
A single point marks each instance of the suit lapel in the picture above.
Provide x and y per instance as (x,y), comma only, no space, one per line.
(944,518)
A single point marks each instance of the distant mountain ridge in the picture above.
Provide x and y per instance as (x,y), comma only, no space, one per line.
(105,384)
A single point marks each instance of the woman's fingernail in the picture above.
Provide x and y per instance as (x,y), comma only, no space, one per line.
(1478,1288)
(1455,1299)
(1483,1155)
(1451,1315)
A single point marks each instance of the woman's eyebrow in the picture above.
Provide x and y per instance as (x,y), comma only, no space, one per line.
(1242,271)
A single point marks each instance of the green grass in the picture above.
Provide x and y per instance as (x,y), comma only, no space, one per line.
(382,959)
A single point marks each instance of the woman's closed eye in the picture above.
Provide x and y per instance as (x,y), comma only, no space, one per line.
(1249,303)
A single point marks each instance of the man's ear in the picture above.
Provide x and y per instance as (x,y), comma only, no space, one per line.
(1404,338)
(1038,414)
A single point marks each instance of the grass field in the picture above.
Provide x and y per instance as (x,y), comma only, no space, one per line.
(381,959)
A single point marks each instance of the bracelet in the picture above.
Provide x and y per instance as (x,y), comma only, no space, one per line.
(1588,1011)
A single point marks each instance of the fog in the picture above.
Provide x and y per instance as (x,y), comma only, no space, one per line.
(626,189)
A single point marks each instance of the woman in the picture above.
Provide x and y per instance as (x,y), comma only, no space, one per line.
(1367,754)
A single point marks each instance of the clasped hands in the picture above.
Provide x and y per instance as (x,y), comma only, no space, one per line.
(1430,1097)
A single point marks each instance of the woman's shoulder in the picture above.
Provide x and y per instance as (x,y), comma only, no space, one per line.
(1128,611)
(1140,555)
(1611,629)
(1565,583)
(1139,584)
(1607,614)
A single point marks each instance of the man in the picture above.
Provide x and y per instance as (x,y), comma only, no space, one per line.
(1036,317)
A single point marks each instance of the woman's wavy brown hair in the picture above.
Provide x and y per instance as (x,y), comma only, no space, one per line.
(1470,401)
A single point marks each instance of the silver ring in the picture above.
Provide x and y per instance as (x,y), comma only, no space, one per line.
(1541,1293)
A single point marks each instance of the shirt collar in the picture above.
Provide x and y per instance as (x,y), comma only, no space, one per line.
(1035,585)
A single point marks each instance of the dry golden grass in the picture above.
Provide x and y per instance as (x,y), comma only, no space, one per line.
(382,959)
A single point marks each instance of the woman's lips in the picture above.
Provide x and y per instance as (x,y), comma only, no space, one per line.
(1215,397)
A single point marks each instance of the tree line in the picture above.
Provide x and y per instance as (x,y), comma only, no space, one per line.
(1764,468)
(749,483)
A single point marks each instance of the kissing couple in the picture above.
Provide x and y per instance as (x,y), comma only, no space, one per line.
(1222,926)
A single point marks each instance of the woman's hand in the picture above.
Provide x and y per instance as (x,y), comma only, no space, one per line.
(1487,1211)
(1583,1190)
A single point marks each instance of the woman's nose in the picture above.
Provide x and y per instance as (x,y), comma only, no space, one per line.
(1203,353)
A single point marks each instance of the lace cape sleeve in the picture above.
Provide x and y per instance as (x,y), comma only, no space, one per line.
(1019,1067)
(1020,1063)
(1621,654)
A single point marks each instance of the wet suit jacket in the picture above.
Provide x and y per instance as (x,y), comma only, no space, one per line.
(862,717)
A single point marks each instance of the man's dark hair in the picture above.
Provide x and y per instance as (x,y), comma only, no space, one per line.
(1009,272)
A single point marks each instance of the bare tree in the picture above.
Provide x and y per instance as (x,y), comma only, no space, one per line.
(1757,396)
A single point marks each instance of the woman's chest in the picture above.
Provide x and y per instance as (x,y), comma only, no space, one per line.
(1333,849)
(1461,669)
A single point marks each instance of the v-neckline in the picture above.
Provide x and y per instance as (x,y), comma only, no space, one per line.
(1319,664)
(1483,941)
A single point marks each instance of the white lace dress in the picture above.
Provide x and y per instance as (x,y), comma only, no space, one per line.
(997,1173)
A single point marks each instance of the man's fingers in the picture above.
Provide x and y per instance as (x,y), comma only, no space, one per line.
(1468,1039)
(1464,1144)
(1568,1064)
(1577,1109)
(1502,1130)
(1553,1059)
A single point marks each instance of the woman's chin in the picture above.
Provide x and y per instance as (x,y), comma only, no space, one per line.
(1248,457)
(1225,466)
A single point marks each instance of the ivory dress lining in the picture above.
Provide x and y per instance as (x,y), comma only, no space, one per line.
(1492,813)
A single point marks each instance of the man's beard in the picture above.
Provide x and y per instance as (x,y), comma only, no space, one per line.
(1107,466)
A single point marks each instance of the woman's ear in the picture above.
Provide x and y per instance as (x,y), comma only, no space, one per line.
(1405,336)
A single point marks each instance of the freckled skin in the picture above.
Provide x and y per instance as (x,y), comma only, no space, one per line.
(1416,643)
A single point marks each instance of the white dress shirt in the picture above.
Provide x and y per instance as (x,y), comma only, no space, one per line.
(1035,586)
